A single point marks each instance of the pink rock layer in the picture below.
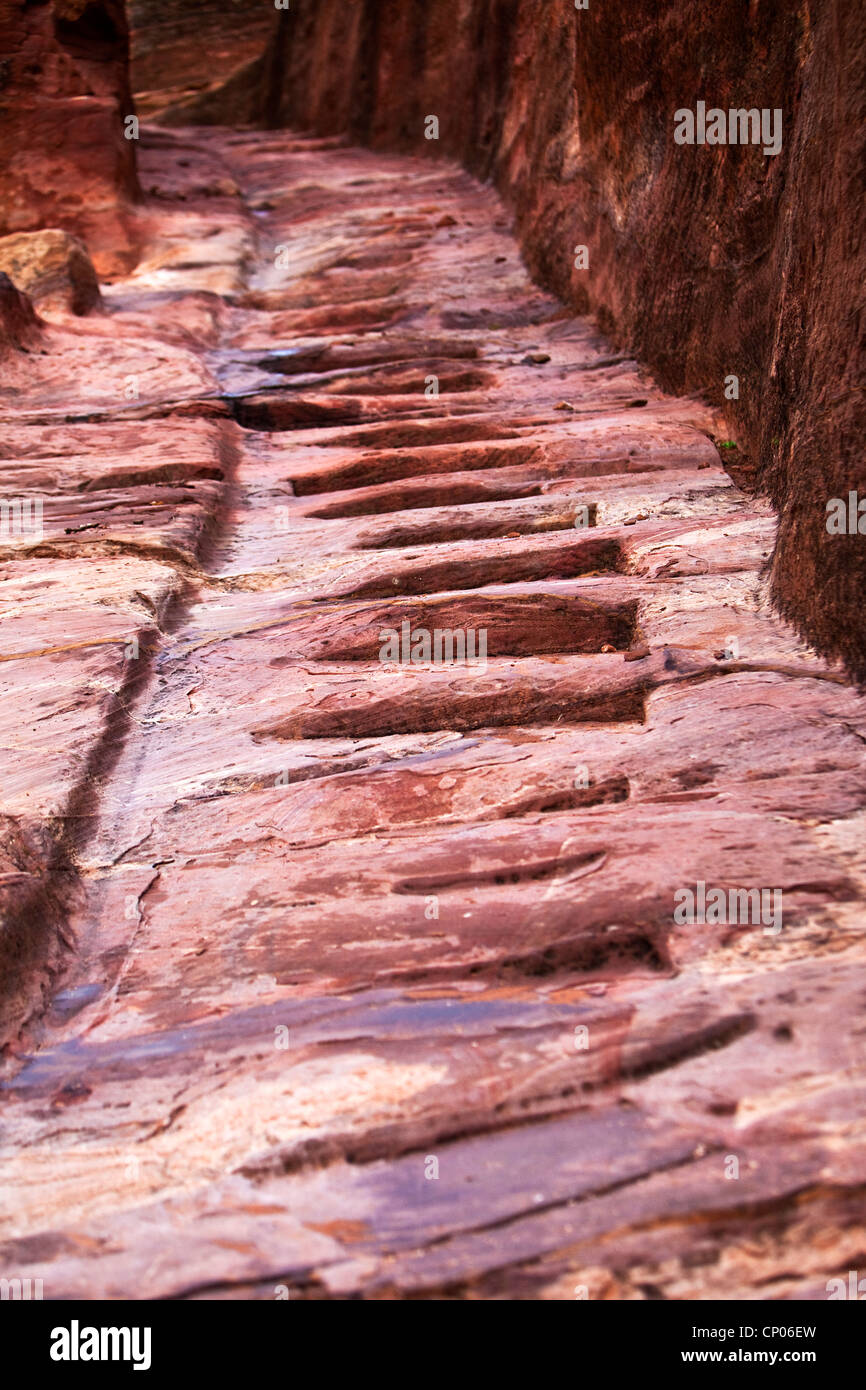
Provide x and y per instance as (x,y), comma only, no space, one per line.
(707,261)
(349,976)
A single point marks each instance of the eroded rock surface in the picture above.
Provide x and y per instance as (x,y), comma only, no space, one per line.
(183,47)
(65,160)
(53,269)
(710,262)
(360,977)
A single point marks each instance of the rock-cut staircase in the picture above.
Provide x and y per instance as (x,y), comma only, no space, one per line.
(341,976)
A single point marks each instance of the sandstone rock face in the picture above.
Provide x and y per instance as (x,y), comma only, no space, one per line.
(709,262)
(19,326)
(53,269)
(64,161)
(332,971)
(182,48)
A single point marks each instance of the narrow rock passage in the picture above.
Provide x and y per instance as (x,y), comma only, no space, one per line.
(359,976)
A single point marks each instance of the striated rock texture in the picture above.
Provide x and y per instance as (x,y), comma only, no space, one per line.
(53,269)
(19,325)
(64,93)
(707,261)
(181,47)
(360,978)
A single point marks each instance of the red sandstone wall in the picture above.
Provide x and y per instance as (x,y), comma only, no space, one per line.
(709,261)
(64,90)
